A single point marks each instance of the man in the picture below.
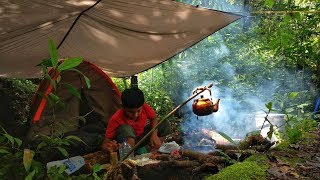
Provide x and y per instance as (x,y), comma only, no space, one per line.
(132,122)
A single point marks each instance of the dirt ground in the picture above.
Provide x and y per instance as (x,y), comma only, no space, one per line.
(300,161)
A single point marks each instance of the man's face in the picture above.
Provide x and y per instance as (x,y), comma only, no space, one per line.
(132,113)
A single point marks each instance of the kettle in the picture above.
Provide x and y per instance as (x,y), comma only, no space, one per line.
(204,106)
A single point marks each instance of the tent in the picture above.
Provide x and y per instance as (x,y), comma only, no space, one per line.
(97,104)
(121,37)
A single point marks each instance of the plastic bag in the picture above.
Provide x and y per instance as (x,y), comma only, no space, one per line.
(169,147)
(72,164)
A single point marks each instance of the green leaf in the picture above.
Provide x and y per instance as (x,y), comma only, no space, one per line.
(65,143)
(69,63)
(41,145)
(10,138)
(54,98)
(52,82)
(72,90)
(53,54)
(87,81)
(96,177)
(82,119)
(45,63)
(27,159)
(58,79)
(30,175)
(269,3)
(3,151)
(76,138)
(293,95)
(269,106)
(62,169)
(63,151)
(289,110)
(227,137)
(18,141)
(287,18)
(85,77)
(96,168)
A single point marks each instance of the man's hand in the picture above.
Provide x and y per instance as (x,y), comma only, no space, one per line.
(155,141)
(110,146)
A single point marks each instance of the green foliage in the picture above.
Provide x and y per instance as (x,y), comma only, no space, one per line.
(15,98)
(152,83)
(298,127)
(57,173)
(52,70)
(121,83)
(15,161)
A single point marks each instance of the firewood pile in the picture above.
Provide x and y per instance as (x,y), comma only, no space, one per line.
(182,164)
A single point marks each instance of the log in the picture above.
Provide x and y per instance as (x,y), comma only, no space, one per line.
(206,168)
(180,164)
(203,157)
(262,148)
(121,171)
(224,147)
(91,159)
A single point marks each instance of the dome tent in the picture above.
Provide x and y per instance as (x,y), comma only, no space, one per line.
(97,105)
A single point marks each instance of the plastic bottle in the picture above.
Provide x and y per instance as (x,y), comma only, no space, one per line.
(124,149)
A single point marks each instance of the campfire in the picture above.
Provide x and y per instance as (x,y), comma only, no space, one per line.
(210,154)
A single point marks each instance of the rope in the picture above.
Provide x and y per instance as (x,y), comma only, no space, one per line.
(74,22)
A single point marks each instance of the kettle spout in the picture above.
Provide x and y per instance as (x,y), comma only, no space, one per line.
(215,106)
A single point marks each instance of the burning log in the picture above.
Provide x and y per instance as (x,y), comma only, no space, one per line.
(203,157)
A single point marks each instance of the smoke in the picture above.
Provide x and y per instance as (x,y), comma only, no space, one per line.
(213,61)
(232,118)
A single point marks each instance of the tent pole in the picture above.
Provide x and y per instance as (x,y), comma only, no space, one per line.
(134,81)
(166,117)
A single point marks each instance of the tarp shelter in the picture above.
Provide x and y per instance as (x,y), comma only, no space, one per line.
(97,105)
(121,37)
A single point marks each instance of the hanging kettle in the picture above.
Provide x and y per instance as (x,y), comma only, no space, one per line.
(204,106)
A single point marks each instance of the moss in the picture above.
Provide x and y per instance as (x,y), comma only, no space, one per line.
(254,167)
(283,146)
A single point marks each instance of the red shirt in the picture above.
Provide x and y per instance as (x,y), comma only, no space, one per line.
(119,118)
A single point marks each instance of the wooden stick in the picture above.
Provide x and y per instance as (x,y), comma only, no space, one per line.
(203,157)
(166,117)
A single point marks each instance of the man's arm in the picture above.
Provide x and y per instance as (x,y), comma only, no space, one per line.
(154,139)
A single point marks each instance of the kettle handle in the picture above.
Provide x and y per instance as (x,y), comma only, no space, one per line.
(202,89)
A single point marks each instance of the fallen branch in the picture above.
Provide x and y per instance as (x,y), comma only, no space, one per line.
(206,167)
(181,164)
(203,157)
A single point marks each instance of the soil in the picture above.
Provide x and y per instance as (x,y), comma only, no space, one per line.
(300,161)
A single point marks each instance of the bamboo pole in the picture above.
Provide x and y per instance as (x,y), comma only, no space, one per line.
(166,117)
